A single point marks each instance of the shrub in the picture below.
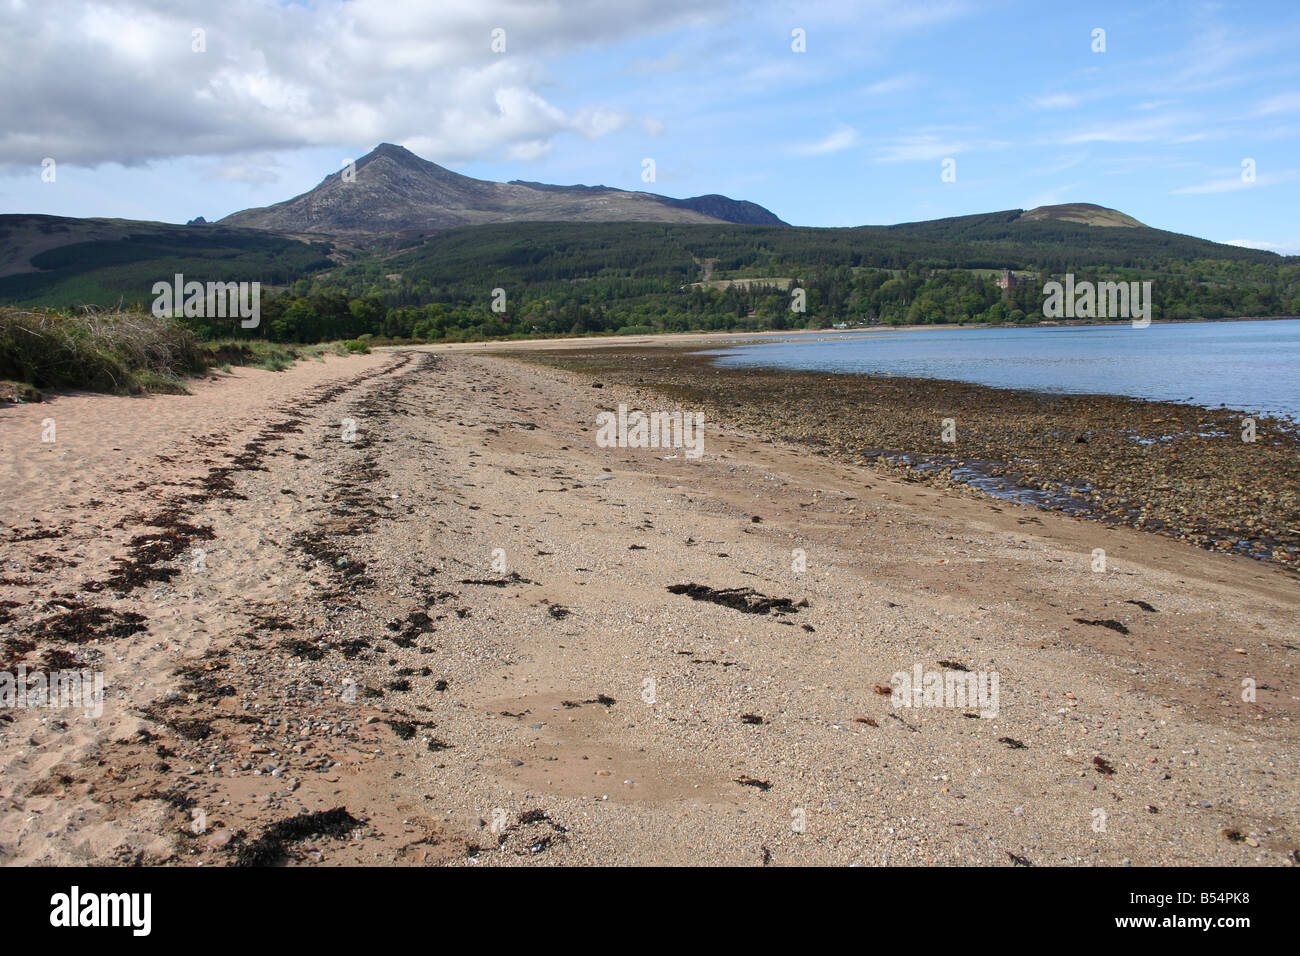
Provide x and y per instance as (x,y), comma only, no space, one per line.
(123,352)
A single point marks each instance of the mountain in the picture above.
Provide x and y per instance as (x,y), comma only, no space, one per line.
(64,263)
(1085,213)
(396,193)
(1074,234)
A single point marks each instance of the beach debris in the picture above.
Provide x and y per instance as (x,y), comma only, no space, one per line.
(747,781)
(1143,605)
(884,690)
(79,623)
(745,600)
(352,647)
(191,729)
(915,730)
(150,552)
(603,699)
(558,611)
(1098,622)
(1018,860)
(1012,743)
(1103,767)
(513,577)
(305,650)
(270,848)
(752,719)
(865,720)
(954,666)
(404,729)
(540,816)
(197,680)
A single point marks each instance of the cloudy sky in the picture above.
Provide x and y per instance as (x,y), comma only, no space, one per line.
(146,118)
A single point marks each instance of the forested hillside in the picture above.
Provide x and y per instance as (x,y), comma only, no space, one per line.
(575,278)
(561,279)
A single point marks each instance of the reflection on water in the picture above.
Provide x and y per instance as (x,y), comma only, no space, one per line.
(1252,366)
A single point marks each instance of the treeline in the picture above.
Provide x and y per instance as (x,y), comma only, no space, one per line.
(316,311)
(539,278)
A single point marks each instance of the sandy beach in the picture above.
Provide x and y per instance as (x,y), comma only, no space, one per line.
(411,594)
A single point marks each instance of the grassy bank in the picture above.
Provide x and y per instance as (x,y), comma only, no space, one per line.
(126,353)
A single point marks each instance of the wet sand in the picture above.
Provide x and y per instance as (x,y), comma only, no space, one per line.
(1168,468)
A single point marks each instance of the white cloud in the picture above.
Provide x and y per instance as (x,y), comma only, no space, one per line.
(117,81)
(1233,183)
(840,139)
(932,144)
(1056,196)
(1281,103)
(259,168)
(919,149)
(1055,101)
(1160,128)
(1281,248)
(529,150)
(893,84)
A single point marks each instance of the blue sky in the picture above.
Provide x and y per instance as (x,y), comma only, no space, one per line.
(853,131)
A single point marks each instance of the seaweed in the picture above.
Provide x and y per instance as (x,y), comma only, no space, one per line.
(1113,625)
(745,600)
(269,848)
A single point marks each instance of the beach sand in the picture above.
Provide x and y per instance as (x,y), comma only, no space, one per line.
(349,639)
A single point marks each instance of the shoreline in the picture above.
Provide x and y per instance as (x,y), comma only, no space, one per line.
(1169,468)
(675,338)
(350,645)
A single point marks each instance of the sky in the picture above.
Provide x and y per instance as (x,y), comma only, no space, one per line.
(1185,115)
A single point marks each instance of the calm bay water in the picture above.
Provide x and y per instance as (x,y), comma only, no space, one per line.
(1252,366)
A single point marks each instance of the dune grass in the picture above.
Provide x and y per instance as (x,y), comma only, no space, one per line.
(128,353)
(122,352)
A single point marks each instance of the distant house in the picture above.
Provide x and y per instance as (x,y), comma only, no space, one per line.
(1006,280)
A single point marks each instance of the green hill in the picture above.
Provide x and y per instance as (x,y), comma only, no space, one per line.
(575,277)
